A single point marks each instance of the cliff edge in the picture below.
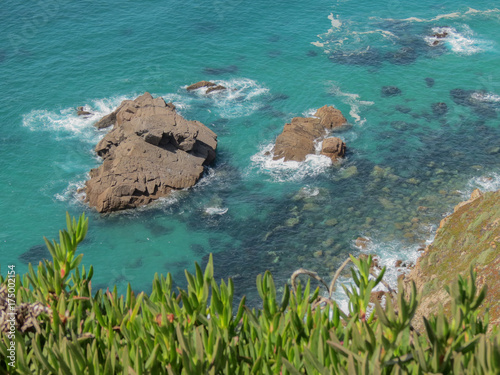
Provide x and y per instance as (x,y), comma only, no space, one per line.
(469,236)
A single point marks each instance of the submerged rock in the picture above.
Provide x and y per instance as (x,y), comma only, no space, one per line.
(297,139)
(221,70)
(387,91)
(403,109)
(35,254)
(439,109)
(150,151)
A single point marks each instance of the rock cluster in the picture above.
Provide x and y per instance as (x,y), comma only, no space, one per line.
(150,151)
(298,137)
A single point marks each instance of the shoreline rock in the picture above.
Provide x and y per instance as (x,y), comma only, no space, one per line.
(150,152)
(298,137)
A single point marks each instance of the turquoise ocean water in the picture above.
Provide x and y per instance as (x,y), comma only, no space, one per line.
(409,160)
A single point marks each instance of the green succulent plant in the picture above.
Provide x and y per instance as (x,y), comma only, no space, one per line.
(200,330)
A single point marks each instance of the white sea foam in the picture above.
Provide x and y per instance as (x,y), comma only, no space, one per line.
(66,122)
(216,210)
(336,23)
(454,15)
(354,102)
(72,193)
(281,171)
(241,97)
(489,182)
(308,192)
(487,97)
(461,42)
(388,253)
(345,34)
(181,102)
(309,113)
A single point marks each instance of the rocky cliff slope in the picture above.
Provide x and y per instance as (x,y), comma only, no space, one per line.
(469,236)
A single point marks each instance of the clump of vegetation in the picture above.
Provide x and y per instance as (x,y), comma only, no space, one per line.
(198,330)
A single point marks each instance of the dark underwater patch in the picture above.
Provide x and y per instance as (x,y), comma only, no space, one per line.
(158,230)
(274,53)
(387,91)
(364,57)
(35,254)
(439,109)
(403,109)
(221,70)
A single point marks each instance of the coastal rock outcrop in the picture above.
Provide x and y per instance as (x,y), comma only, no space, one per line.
(469,236)
(150,151)
(298,137)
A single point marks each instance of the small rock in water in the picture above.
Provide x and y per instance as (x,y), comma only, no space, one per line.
(429,82)
(81,112)
(387,91)
(442,35)
(362,242)
(312,53)
(200,84)
(215,88)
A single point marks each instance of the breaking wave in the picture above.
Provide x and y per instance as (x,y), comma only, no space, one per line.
(281,171)
(240,98)
(67,123)
(461,42)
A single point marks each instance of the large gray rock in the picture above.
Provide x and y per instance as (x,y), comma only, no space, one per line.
(150,151)
(297,139)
